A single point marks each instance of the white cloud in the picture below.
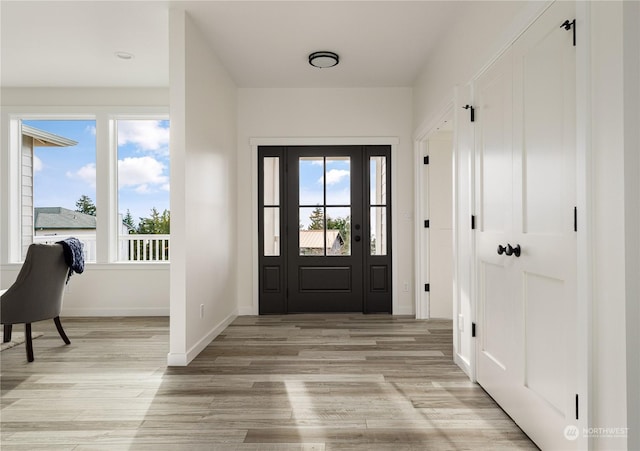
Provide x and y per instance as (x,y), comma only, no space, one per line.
(147,135)
(165,187)
(86,173)
(141,174)
(335,176)
(91,129)
(37,164)
(142,189)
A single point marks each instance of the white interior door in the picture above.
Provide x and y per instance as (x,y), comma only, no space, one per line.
(496,291)
(440,225)
(527,327)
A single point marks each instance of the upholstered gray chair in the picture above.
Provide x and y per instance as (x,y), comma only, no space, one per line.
(37,293)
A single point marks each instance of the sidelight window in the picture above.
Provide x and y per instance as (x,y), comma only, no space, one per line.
(378,204)
(271,189)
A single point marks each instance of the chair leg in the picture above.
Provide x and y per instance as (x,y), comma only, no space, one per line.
(28,342)
(61,330)
(7,333)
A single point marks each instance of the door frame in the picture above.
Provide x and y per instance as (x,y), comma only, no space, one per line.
(254,143)
(421,208)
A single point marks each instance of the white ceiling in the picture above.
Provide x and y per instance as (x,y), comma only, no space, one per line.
(262,44)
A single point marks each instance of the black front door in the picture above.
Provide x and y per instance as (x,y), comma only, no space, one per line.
(324,225)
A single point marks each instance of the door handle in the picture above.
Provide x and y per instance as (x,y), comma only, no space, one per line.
(357,238)
(513,250)
(502,249)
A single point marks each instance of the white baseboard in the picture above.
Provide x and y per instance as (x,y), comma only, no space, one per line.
(246,311)
(404,310)
(463,364)
(69,312)
(183,359)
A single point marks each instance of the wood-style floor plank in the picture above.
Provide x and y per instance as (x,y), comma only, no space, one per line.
(271,383)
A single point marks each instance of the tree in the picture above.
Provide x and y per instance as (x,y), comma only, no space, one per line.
(128,221)
(317,219)
(155,224)
(85,205)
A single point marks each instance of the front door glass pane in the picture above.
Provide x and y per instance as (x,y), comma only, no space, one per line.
(311,181)
(338,240)
(311,223)
(337,180)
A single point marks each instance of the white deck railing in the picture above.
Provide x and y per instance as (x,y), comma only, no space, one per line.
(131,248)
(144,248)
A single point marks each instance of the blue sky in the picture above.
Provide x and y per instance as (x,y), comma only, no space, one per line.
(63,174)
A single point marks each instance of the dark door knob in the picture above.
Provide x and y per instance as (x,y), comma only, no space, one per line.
(513,250)
(357,238)
(501,249)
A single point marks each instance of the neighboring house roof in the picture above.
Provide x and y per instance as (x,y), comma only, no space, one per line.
(50,218)
(312,239)
(46,139)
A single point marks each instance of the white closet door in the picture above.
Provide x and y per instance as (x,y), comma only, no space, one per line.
(527,303)
(496,352)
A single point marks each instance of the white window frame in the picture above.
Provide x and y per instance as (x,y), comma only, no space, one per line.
(113,133)
(106,174)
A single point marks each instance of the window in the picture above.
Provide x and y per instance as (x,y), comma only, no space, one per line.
(82,174)
(324,206)
(143,190)
(378,204)
(58,183)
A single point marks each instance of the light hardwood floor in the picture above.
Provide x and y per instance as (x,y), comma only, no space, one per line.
(298,382)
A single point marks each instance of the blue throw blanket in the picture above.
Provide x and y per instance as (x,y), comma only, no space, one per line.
(73,255)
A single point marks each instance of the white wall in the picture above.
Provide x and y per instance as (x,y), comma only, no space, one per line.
(631,14)
(614,143)
(104,288)
(325,113)
(472,41)
(203,200)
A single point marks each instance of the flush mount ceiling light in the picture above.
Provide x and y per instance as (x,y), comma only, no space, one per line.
(124,55)
(324,59)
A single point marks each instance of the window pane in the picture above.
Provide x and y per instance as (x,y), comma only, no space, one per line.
(143,190)
(311,173)
(272,231)
(271,173)
(378,180)
(59,182)
(378,230)
(338,180)
(311,221)
(338,240)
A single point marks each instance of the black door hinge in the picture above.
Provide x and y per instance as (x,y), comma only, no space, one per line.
(575,219)
(577,405)
(473,222)
(426,223)
(426,159)
(570,25)
(473,112)
(426,287)
(473,329)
